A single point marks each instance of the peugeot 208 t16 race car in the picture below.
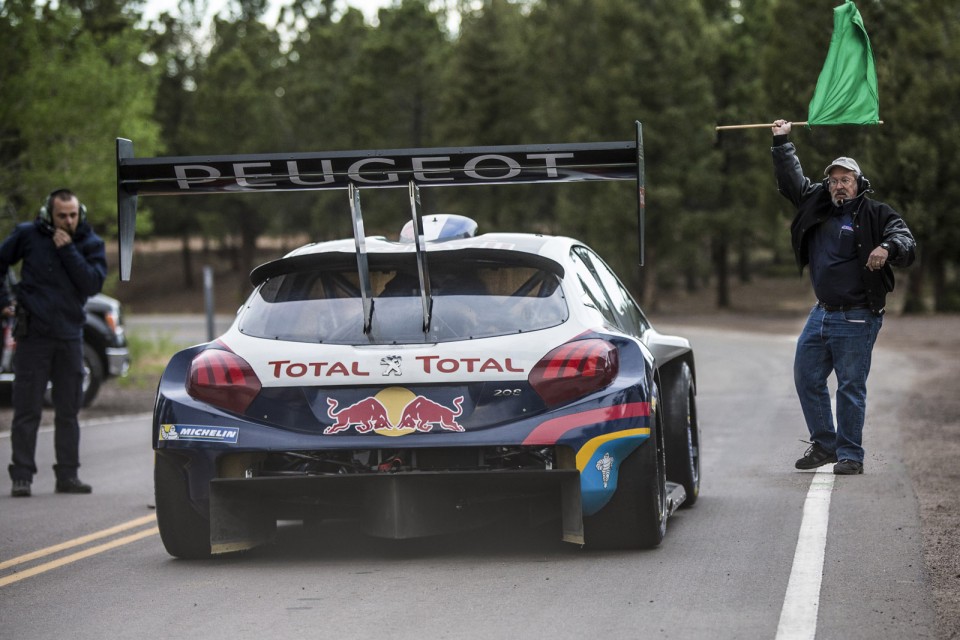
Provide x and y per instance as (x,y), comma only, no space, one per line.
(427,385)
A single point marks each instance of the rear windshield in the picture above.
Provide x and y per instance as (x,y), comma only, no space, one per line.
(471,299)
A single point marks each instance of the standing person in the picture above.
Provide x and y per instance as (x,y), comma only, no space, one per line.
(64,263)
(849,242)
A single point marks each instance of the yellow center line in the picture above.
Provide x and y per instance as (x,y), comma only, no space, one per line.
(80,555)
(76,542)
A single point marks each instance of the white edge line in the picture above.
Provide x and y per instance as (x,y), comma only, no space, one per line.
(801,604)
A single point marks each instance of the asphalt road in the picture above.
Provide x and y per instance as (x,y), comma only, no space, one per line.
(93,566)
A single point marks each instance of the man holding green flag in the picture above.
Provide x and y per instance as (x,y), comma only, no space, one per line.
(849,243)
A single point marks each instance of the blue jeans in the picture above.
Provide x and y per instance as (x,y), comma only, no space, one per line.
(840,342)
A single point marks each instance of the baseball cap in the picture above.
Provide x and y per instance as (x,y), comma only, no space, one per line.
(845,163)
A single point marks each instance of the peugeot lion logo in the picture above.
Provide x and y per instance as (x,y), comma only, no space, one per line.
(391,365)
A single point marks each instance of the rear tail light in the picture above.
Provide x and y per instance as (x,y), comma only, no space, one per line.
(223,379)
(574,370)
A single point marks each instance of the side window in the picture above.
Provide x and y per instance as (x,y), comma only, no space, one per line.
(631,319)
(591,291)
(634,315)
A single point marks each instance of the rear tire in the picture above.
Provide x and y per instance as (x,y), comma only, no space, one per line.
(185,532)
(683,435)
(92,374)
(636,516)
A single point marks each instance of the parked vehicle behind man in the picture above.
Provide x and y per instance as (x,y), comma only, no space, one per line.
(106,354)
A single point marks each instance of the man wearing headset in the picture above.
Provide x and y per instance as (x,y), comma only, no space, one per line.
(64,263)
(849,242)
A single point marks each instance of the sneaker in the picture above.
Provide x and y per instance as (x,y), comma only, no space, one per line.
(73,485)
(848,468)
(21,489)
(815,456)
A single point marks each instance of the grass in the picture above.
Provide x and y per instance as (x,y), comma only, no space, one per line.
(148,357)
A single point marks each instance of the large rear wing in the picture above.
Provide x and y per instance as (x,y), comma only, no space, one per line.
(383,169)
(412,169)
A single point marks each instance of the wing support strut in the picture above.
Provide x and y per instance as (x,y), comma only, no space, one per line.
(426,298)
(363,264)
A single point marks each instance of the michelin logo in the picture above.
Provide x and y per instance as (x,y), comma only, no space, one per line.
(605,466)
(205,434)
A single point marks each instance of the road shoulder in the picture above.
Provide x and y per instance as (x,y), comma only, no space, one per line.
(930,430)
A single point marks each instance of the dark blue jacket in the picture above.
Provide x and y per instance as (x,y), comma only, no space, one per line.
(874,222)
(54,283)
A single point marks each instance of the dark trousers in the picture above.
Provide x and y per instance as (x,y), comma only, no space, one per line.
(37,361)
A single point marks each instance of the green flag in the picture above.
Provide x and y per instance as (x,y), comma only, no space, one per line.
(846,91)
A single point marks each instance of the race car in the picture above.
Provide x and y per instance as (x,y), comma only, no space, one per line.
(426,384)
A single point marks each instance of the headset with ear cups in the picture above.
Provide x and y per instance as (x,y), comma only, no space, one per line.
(45,216)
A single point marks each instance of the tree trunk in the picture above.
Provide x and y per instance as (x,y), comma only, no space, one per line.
(721,249)
(647,281)
(941,295)
(744,274)
(913,302)
(186,259)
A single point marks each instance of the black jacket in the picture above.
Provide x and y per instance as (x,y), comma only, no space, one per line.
(54,283)
(873,223)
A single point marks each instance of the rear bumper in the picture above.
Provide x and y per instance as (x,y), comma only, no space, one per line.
(244,511)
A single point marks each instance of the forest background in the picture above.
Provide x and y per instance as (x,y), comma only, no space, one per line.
(76,74)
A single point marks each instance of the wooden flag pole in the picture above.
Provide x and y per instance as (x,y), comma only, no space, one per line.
(753,126)
(758,126)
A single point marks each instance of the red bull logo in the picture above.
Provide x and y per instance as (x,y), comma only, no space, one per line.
(394,412)
(364,416)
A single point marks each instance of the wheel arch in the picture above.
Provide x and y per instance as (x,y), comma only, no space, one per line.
(668,372)
(677,378)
